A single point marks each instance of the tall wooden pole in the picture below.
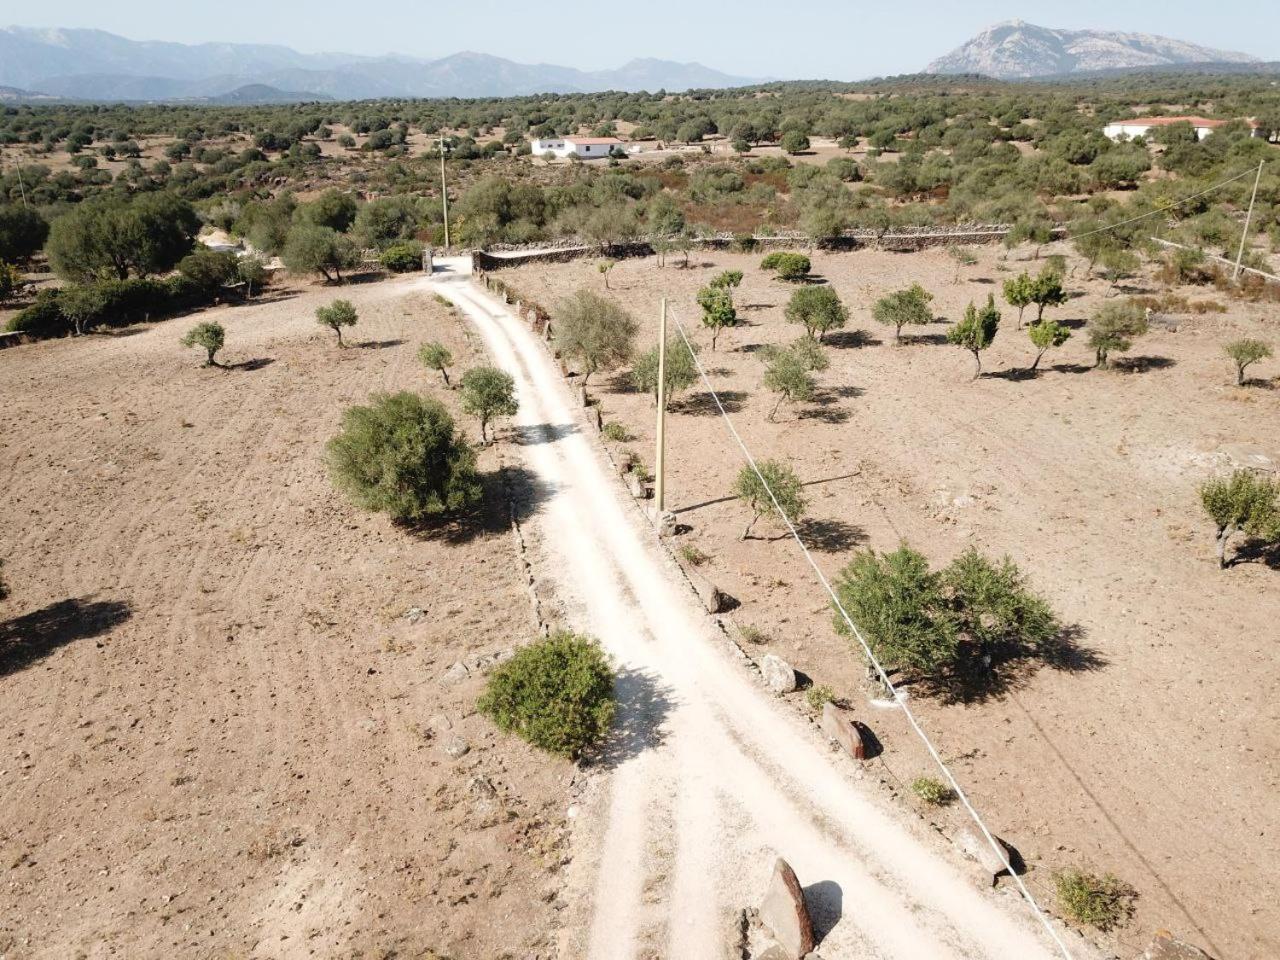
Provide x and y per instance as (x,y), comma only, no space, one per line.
(444,195)
(660,488)
(1248,219)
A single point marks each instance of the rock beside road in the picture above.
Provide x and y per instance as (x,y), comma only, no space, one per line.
(1165,946)
(779,676)
(840,726)
(784,913)
(975,847)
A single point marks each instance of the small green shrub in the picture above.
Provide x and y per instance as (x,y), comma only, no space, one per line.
(557,694)
(616,432)
(692,555)
(753,634)
(209,337)
(1101,902)
(819,697)
(932,791)
(788,266)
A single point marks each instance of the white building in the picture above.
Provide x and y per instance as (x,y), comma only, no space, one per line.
(1142,126)
(585,148)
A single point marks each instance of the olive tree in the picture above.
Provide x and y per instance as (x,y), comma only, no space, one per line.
(82,304)
(1045,335)
(1047,291)
(776,483)
(311,248)
(109,237)
(401,455)
(23,232)
(726,280)
(818,310)
(1245,352)
(337,315)
(902,307)
(718,310)
(680,370)
(787,266)
(976,331)
(1019,292)
(595,331)
(1243,502)
(1113,329)
(488,392)
(436,356)
(209,337)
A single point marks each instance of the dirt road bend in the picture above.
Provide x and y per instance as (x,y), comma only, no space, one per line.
(711,777)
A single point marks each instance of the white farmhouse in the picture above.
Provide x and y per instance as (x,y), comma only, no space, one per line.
(1142,126)
(585,148)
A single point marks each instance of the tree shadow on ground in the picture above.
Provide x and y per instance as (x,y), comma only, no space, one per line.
(757,306)
(934,339)
(1071,368)
(704,405)
(830,536)
(849,339)
(28,639)
(539,433)
(257,363)
(509,493)
(1143,364)
(825,414)
(1254,550)
(1011,665)
(622,383)
(825,902)
(1071,323)
(380,344)
(643,705)
(1013,374)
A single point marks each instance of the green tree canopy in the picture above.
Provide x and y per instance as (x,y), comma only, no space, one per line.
(488,392)
(1243,502)
(902,307)
(209,337)
(754,491)
(436,356)
(111,237)
(23,232)
(311,248)
(337,315)
(1045,335)
(595,331)
(818,310)
(1114,327)
(1244,353)
(976,331)
(718,310)
(402,456)
(681,370)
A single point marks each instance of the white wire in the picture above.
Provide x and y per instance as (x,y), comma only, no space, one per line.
(866,648)
(1164,209)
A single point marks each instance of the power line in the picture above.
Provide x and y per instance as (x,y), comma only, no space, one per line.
(1162,210)
(871,657)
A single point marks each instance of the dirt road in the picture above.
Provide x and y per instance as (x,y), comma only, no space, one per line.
(711,777)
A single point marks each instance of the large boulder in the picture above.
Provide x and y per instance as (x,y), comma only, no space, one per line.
(784,914)
(975,847)
(1165,946)
(779,676)
(839,725)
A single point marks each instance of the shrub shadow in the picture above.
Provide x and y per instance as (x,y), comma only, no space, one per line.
(1142,364)
(643,705)
(704,405)
(1011,666)
(380,344)
(28,639)
(250,365)
(850,339)
(830,536)
(507,494)
(532,436)
(1254,550)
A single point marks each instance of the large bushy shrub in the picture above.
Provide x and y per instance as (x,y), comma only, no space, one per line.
(401,455)
(556,693)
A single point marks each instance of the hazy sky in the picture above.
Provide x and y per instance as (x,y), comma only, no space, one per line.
(779,38)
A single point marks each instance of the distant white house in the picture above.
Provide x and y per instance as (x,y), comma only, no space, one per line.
(586,148)
(1142,126)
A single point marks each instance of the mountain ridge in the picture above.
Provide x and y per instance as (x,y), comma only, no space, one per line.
(1015,49)
(97,65)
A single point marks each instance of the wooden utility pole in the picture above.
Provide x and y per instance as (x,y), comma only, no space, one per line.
(1248,219)
(660,486)
(444,195)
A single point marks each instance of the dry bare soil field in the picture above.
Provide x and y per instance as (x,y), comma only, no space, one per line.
(1149,749)
(223,729)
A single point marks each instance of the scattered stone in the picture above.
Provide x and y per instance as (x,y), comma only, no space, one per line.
(456,673)
(1165,946)
(779,676)
(457,748)
(974,846)
(413,614)
(584,398)
(713,600)
(838,725)
(636,486)
(482,787)
(784,914)
(667,524)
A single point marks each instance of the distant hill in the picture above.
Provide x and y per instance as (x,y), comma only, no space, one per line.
(1017,49)
(95,65)
(15,95)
